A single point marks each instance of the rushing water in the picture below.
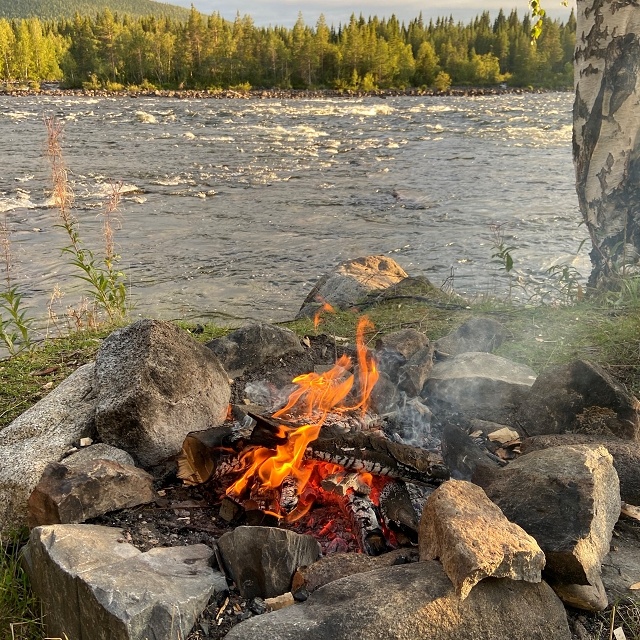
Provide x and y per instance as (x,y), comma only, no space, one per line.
(235,208)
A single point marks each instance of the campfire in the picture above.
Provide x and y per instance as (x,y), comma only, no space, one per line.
(322,449)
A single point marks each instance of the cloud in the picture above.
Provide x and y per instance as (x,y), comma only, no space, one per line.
(285,12)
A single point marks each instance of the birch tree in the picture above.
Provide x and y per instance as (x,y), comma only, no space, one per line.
(606,134)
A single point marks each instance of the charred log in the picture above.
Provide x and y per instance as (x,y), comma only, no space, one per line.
(396,506)
(361,512)
(362,451)
(342,483)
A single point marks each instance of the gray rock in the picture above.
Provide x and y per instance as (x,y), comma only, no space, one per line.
(568,499)
(414,602)
(248,347)
(561,397)
(156,384)
(625,453)
(477,334)
(99,451)
(406,342)
(479,385)
(95,585)
(70,495)
(464,458)
(473,539)
(262,560)
(41,435)
(338,565)
(414,372)
(351,282)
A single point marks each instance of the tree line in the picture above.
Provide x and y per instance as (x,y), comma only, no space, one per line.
(207,52)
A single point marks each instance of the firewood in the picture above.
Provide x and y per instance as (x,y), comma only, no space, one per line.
(396,505)
(365,451)
(200,449)
(360,511)
(341,483)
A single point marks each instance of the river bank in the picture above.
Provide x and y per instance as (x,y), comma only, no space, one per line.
(268,94)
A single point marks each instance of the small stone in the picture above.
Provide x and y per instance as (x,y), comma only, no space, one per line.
(280,602)
(86,442)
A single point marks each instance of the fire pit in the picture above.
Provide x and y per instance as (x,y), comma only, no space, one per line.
(320,464)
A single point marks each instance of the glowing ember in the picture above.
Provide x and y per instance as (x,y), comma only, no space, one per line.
(315,396)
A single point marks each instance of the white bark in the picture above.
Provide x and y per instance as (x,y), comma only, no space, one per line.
(607,132)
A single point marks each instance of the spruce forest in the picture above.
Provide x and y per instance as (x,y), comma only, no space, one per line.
(114,51)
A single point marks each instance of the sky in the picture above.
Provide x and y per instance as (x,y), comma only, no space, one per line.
(285,12)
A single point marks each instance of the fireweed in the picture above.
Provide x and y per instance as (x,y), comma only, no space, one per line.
(107,284)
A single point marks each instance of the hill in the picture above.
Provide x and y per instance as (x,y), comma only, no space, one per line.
(53,9)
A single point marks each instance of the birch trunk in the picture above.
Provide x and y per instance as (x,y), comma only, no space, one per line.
(606,134)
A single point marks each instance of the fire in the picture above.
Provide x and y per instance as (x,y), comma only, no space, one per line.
(325,308)
(315,396)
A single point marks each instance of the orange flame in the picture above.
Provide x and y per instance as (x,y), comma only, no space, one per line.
(325,308)
(315,396)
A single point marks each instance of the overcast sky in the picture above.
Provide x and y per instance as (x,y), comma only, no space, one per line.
(285,12)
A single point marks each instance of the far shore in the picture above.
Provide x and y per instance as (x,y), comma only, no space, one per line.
(266,94)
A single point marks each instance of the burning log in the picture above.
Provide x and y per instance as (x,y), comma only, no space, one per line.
(360,511)
(341,483)
(362,451)
(289,496)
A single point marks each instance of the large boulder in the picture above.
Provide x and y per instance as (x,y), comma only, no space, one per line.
(93,584)
(351,282)
(473,540)
(155,384)
(43,434)
(579,396)
(568,499)
(262,560)
(625,454)
(479,385)
(414,602)
(248,347)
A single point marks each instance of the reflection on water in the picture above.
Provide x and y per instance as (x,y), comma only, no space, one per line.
(234,208)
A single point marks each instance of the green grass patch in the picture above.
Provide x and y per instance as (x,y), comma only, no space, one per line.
(20,617)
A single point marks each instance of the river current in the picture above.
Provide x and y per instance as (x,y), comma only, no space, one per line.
(233,208)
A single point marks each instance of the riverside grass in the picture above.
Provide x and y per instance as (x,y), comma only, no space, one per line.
(540,336)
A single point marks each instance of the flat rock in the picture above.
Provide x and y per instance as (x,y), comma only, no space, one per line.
(95,586)
(70,495)
(350,283)
(262,560)
(413,374)
(414,602)
(473,540)
(476,334)
(156,384)
(561,397)
(43,434)
(568,499)
(478,385)
(625,453)
(99,451)
(248,347)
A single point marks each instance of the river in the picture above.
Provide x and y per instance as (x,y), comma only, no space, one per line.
(233,208)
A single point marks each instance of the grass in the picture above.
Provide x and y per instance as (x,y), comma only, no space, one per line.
(539,336)
(19,609)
